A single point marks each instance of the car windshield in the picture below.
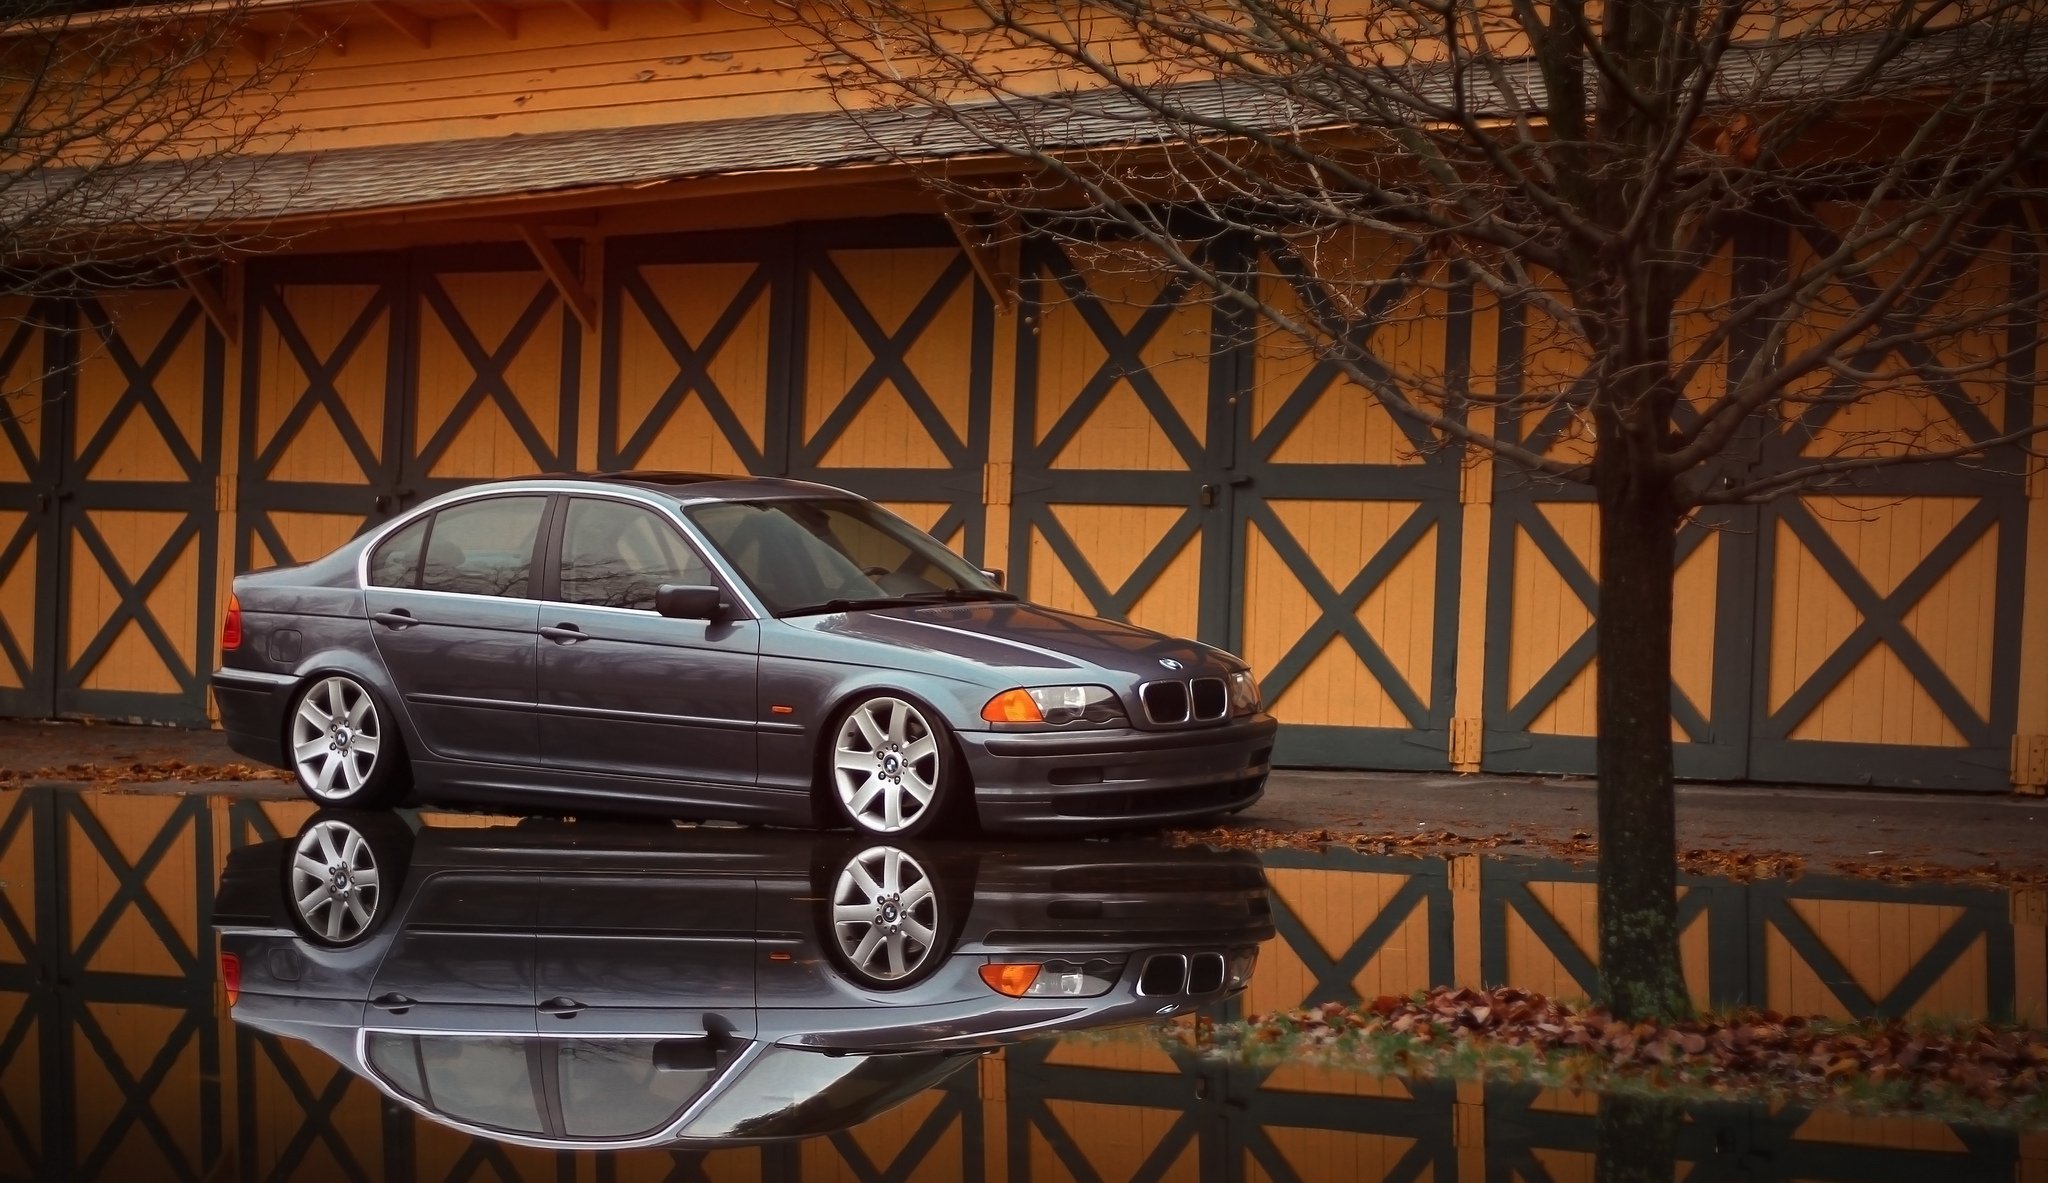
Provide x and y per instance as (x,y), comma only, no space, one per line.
(832,554)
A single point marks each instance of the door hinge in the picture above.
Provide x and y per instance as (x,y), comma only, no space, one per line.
(995,483)
(1465,744)
(2030,764)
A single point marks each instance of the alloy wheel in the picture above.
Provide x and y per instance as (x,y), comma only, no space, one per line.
(885,764)
(334,882)
(885,914)
(336,737)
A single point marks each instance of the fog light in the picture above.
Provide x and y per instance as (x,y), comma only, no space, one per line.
(1055,978)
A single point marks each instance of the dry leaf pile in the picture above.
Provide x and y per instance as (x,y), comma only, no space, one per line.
(1982,1069)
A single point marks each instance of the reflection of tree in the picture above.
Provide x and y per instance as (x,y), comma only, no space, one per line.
(1638,1139)
(616,583)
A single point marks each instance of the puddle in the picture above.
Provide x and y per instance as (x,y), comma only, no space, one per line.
(730,983)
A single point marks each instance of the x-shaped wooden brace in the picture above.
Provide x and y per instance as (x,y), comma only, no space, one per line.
(15,1043)
(320,390)
(1116,604)
(486,1151)
(955,1105)
(1954,941)
(1884,619)
(1421,1156)
(1333,975)
(134,597)
(13,554)
(1124,360)
(141,375)
(1514,895)
(316,1123)
(132,880)
(11,424)
(1150,1090)
(693,371)
(1916,354)
(1358,333)
(24,938)
(136,1092)
(490,381)
(1576,656)
(1338,609)
(890,352)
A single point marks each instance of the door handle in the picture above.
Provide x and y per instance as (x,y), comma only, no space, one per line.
(561,1008)
(397,618)
(397,1004)
(563,634)
(1208,496)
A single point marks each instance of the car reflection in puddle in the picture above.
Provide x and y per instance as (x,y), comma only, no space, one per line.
(595,986)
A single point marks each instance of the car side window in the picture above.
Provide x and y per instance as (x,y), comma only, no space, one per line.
(480,1079)
(616,555)
(396,561)
(483,548)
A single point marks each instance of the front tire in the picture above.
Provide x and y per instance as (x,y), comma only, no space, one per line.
(894,768)
(344,746)
(889,916)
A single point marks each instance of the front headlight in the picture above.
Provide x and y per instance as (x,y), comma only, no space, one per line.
(1055,705)
(1244,693)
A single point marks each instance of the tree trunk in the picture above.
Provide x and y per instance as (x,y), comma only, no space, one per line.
(1638,1140)
(1638,831)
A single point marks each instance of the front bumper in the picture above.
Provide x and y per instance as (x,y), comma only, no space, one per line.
(252,706)
(1048,781)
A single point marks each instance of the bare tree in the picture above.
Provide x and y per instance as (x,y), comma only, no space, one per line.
(1601,173)
(129,144)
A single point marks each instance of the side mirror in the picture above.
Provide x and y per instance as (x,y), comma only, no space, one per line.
(993,575)
(685,601)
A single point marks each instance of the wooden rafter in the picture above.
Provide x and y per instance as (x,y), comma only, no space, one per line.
(406,21)
(597,12)
(497,16)
(694,9)
(216,302)
(990,243)
(326,32)
(561,274)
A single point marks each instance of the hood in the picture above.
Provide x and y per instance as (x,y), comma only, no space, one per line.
(1029,638)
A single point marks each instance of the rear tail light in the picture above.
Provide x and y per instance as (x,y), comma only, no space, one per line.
(231,976)
(231,625)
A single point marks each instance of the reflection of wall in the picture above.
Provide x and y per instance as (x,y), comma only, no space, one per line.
(117,1060)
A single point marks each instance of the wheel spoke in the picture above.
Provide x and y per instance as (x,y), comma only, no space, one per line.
(918,932)
(921,749)
(899,717)
(328,849)
(351,847)
(351,771)
(864,719)
(360,709)
(860,801)
(310,748)
(865,882)
(337,706)
(310,902)
(853,914)
(334,920)
(866,950)
(851,761)
(360,914)
(892,872)
(916,894)
(367,877)
(364,745)
(306,864)
(892,806)
(310,712)
(915,785)
(895,943)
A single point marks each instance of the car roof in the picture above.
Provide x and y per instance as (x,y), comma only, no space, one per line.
(691,487)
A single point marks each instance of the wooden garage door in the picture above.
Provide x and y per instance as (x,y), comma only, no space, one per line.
(28,487)
(373,381)
(1347,516)
(1885,646)
(139,425)
(1543,592)
(855,354)
(1124,416)
(891,398)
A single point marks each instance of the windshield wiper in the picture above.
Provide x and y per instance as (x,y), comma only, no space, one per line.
(958,595)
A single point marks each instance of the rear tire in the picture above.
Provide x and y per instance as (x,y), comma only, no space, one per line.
(344,746)
(343,873)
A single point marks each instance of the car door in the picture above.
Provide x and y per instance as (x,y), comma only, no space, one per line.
(624,690)
(463,957)
(657,953)
(452,611)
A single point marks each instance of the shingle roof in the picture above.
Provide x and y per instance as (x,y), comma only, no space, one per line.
(347,180)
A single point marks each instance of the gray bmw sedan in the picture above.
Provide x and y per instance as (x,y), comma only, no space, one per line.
(705,647)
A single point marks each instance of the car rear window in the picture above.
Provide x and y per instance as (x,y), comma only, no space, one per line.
(483,548)
(396,561)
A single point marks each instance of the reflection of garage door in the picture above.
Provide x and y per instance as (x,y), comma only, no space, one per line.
(107,525)
(1860,638)
(1169,475)
(372,381)
(859,356)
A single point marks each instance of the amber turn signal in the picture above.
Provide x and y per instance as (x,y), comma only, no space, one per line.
(231,976)
(1013,706)
(1012,980)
